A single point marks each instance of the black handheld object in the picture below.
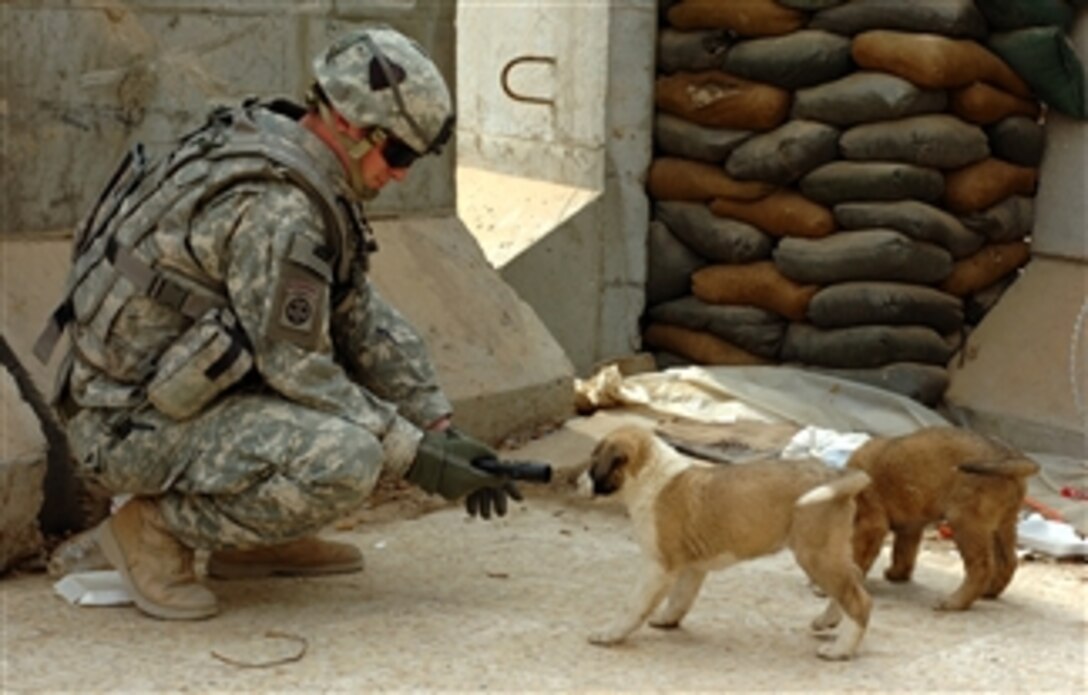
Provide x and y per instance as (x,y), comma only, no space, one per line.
(530,471)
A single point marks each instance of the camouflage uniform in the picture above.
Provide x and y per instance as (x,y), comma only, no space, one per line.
(340,385)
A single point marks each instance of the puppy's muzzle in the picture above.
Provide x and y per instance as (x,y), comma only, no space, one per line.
(603,486)
(590,485)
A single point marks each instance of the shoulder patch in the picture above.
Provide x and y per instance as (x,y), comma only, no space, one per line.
(299,311)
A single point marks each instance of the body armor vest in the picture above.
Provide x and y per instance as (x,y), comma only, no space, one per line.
(130,253)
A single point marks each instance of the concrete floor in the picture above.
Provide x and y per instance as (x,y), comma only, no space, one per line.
(452,603)
(448,603)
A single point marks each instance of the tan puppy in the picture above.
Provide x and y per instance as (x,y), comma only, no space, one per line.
(943,473)
(691,517)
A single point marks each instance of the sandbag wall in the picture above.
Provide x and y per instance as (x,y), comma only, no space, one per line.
(846,185)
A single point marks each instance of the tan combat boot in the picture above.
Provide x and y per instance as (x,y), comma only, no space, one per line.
(156,567)
(308,556)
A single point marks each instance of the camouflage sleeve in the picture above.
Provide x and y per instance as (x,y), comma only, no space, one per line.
(386,353)
(265,244)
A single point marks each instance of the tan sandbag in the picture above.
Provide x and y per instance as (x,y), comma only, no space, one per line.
(978,186)
(934,62)
(758,284)
(697,346)
(985,104)
(746,18)
(671,178)
(782,213)
(720,100)
(983,269)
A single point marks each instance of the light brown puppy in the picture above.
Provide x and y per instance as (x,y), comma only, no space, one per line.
(691,517)
(943,473)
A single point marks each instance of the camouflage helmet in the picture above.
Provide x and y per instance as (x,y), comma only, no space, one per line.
(377,77)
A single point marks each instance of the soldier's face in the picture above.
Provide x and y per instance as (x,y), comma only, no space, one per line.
(376,172)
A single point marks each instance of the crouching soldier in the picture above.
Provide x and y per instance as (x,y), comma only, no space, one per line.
(231,367)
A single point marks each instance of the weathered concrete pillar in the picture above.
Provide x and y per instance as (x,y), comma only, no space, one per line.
(1024,376)
(22,471)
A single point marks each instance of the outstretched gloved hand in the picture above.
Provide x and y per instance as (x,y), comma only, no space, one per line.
(445,464)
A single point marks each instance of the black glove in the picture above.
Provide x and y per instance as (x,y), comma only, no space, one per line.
(444,465)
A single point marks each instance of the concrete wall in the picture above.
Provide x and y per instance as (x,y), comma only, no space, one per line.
(22,471)
(83,79)
(553,191)
(80,81)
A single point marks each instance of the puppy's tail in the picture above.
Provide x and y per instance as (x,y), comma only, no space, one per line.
(847,485)
(1012,467)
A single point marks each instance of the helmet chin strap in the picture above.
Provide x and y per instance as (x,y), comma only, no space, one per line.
(355,151)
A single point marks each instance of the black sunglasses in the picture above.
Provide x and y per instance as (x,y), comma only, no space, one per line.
(397,154)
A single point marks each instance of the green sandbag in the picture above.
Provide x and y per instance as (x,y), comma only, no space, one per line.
(937,140)
(864,346)
(872,254)
(864,97)
(785,153)
(956,18)
(1018,139)
(681,138)
(717,239)
(896,303)
(798,59)
(671,264)
(914,218)
(750,328)
(809,4)
(840,181)
(1009,220)
(691,51)
(1045,58)
(1004,15)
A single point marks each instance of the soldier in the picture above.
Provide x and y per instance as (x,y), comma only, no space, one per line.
(232,368)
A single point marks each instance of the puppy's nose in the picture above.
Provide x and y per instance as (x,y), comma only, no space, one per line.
(603,486)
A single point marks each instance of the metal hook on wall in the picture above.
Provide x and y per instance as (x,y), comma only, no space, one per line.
(505,79)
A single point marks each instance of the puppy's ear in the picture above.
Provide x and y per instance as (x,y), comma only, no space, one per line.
(607,459)
(617,459)
(607,468)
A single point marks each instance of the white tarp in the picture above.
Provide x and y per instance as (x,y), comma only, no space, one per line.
(769,394)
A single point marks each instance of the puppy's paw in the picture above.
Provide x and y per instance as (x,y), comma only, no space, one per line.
(665,623)
(951,604)
(608,637)
(897,575)
(834,652)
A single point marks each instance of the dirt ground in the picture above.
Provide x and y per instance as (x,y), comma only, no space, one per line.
(450,603)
